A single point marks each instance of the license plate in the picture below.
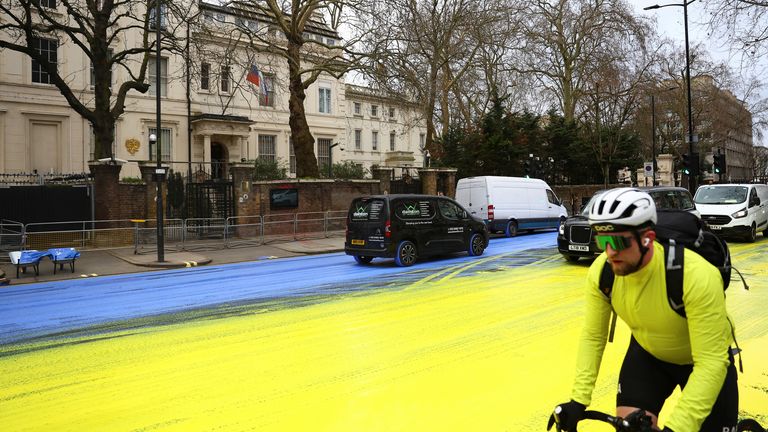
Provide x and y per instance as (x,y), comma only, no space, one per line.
(358,242)
(716,227)
(579,248)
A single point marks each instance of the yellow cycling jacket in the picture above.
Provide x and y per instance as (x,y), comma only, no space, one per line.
(640,299)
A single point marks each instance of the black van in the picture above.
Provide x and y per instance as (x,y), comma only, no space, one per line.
(405,227)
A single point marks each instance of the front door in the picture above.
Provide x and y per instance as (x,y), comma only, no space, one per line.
(219,157)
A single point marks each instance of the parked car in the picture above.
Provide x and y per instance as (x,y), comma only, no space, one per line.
(511,204)
(576,239)
(734,210)
(407,227)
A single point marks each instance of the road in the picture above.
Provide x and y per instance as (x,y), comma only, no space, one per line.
(321,343)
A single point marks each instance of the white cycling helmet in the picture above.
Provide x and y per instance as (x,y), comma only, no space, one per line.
(622,209)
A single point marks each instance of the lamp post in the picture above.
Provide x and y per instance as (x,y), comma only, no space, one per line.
(692,178)
(330,158)
(159,170)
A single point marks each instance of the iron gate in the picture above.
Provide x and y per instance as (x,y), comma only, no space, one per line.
(207,202)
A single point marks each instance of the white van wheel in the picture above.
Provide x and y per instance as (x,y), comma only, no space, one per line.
(752,236)
(511,230)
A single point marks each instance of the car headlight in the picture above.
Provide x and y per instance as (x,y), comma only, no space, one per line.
(561,230)
(740,214)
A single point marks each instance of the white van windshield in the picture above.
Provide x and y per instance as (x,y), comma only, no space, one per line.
(720,195)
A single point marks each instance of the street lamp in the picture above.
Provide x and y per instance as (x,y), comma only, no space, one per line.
(330,158)
(159,170)
(691,143)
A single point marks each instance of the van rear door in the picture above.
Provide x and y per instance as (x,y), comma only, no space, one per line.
(367,223)
(472,193)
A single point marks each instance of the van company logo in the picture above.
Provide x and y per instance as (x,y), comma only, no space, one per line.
(360,212)
(410,210)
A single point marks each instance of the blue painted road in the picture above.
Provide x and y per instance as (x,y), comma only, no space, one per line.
(35,310)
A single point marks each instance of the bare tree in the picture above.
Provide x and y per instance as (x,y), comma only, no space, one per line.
(99,29)
(562,42)
(427,50)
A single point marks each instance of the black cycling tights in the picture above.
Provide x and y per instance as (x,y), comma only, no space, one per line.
(646,382)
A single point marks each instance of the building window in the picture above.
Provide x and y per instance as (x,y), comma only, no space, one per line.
(268,98)
(323,149)
(357,108)
(291,157)
(45,3)
(93,73)
(325,100)
(47,49)
(205,76)
(358,139)
(422,141)
(267,147)
(163,17)
(374,140)
(391,141)
(225,78)
(152,68)
(374,110)
(391,113)
(165,144)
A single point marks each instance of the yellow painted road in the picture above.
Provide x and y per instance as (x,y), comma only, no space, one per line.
(460,350)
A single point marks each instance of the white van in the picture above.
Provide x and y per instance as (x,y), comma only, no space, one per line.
(734,210)
(510,204)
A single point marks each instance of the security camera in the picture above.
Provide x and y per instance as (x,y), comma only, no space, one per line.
(152,138)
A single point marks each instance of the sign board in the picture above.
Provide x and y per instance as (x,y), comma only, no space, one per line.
(648,169)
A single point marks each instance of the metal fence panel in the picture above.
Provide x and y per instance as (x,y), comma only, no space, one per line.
(244,230)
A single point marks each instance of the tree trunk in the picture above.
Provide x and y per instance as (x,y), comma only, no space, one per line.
(303,141)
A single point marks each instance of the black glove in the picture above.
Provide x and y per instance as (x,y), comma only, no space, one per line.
(666,429)
(566,416)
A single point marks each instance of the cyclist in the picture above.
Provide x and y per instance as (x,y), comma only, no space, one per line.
(665,350)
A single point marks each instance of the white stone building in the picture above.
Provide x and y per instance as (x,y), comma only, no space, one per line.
(230,120)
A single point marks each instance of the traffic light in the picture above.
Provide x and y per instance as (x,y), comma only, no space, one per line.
(527,167)
(719,167)
(691,164)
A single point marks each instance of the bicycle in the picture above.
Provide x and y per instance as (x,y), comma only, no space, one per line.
(638,421)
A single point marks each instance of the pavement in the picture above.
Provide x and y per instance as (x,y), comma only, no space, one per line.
(94,263)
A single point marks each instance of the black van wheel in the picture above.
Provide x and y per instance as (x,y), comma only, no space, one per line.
(363,259)
(406,253)
(476,245)
(511,230)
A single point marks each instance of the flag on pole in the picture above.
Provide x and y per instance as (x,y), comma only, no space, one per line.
(256,77)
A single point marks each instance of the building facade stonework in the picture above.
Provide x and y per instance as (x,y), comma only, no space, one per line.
(227,119)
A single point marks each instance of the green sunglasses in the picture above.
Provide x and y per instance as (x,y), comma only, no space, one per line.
(618,243)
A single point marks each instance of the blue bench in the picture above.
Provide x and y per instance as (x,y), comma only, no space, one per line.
(61,256)
(27,258)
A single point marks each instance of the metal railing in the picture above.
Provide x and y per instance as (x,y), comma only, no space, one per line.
(180,234)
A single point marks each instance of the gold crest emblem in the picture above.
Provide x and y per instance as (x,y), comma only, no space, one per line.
(132,145)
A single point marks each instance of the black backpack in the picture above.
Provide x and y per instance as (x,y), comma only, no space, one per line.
(677,230)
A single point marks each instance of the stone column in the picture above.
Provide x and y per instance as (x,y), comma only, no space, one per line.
(428,178)
(246,201)
(106,181)
(384,176)
(449,181)
(207,149)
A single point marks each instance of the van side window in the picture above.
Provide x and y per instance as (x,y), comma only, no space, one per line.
(414,209)
(368,210)
(551,197)
(450,210)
